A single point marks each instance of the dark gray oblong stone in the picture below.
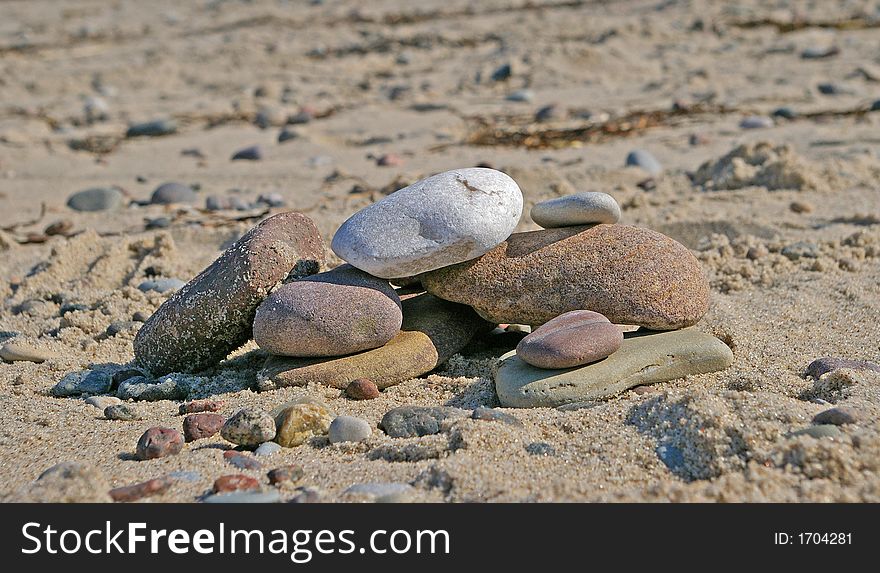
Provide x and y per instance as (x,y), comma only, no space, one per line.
(155,128)
(212,314)
(76,383)
(139,388)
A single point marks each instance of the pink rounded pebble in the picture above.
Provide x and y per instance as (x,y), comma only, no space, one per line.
(571,339)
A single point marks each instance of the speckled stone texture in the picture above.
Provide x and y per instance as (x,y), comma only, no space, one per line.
(571,339)
(630,275)
(445,219)
(432,331)
(212,315)
(335,313)
(249,427)
(645,359)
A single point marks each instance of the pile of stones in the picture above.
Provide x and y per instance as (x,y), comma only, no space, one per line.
(447,243)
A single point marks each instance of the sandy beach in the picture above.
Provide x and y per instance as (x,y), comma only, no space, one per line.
(760,116)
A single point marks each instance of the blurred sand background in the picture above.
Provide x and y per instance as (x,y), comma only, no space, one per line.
(414,79)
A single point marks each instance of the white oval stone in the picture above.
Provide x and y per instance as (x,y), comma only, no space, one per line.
(445,219)
(577,209)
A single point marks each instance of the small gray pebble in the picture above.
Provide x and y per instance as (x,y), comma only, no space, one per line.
(349,429)
(524,95)
(121,326)
(267,449)
(169,193)
(820,431)
(645,160)
(540,449)
(801,250)
(253,153)
(97,199)
(836,416)
(102,402)
(123,412)
(502,73)
(154,128)
(756,122)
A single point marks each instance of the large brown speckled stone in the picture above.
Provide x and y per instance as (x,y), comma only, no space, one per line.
(212,314)
(628,274)
(432,331)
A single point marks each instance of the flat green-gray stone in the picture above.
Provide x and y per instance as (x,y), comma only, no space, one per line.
(644,359)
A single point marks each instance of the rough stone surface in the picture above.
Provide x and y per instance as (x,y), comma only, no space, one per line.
(630,275)
(212,315)
(349,429)
(249,427)
(442,220)
(432,331)
(646,359)
(571,339)
(122,412)
(362,389)
(202,425)
(335,313)
(159,442)
(826,364)
(76,383)
(139,388)
(578,209)
(412,421)
(300,422)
